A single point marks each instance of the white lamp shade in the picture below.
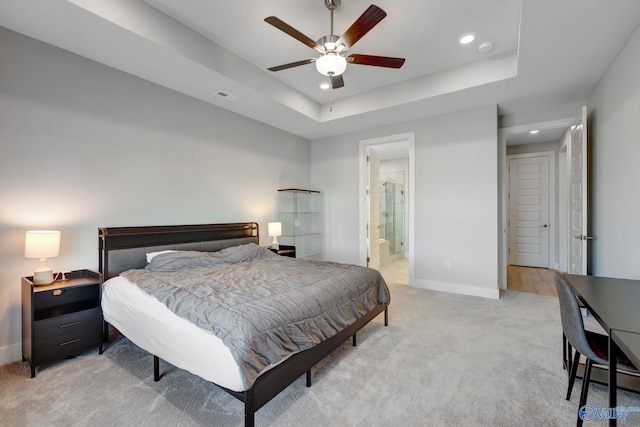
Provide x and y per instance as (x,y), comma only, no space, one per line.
(42,244)
(275,229)
(331,64)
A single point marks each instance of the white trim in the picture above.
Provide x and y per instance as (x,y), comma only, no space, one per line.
(10,353)
(408,137)
(563,212)
(551,155)
(456,288)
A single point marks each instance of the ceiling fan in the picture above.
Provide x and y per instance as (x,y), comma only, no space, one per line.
(333,50)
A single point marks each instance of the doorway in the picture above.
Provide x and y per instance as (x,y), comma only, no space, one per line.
(532,218)
(391,216)
(523,142)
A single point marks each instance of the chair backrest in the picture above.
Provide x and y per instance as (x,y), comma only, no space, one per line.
(572,324)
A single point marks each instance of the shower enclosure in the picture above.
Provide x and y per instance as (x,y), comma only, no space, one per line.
(392,216)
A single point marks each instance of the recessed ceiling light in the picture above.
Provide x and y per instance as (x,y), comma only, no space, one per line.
(466,38)
(325,86)
(533,132)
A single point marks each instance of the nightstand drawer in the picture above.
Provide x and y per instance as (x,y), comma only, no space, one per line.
(68,324)
(66,344)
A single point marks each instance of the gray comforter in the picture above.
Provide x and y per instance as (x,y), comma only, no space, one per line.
(263,306)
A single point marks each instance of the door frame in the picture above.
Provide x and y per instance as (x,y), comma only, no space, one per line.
(409,138)
(551,241)
(372,199)
(503,184)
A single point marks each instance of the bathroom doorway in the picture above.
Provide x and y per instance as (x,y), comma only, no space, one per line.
(394,205)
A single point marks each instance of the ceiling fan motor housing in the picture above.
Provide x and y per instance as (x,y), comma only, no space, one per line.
(330,45)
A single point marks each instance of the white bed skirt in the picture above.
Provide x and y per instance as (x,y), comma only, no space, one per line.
(153,327)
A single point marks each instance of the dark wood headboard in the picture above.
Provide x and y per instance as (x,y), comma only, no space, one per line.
(124,248)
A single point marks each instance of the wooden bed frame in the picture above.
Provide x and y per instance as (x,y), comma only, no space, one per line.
(124,248)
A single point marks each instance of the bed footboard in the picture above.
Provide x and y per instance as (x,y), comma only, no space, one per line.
(272,382)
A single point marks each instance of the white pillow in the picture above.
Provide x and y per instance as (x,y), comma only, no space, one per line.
(151,255)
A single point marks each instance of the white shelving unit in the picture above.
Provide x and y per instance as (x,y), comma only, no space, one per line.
(299,212)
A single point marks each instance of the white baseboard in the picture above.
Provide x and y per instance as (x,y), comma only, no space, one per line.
(456,288)
(10,353)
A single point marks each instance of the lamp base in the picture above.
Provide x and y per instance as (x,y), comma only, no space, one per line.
(274,243)
(43,277)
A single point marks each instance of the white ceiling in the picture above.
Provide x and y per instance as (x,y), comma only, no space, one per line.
(545,135)
(548,53)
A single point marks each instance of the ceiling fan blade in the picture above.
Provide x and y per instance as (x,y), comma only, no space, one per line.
(292,64)
(336,81)
(376,61)
(362,25)
(283,26)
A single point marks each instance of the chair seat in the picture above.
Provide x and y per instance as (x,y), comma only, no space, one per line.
(600,345)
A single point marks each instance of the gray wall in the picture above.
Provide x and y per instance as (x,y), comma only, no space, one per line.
(455,198)
(614,115)
(83,146)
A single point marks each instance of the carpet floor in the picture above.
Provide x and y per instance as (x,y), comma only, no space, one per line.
(444,360)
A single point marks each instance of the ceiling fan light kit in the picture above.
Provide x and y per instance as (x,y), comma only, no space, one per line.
(333,57)
(331,64)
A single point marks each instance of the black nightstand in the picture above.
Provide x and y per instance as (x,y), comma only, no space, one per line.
(285,250)
(61,319)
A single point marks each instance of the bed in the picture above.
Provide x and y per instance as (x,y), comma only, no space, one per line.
(253,372)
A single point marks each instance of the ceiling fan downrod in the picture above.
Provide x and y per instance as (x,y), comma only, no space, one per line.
(331,5)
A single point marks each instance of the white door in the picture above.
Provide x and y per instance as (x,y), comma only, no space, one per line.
(373,199)
(577,158)
(529,211)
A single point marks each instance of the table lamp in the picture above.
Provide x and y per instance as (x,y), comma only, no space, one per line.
(275,230)
(42,244)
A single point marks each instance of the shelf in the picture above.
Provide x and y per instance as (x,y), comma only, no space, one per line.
(299,212)
(62,310)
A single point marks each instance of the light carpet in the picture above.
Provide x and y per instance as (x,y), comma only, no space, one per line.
(444,360)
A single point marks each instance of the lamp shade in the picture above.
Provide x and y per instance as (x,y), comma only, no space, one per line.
(331,64)
(275,229)
(42,244)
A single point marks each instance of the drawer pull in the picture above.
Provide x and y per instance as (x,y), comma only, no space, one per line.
(69,342)
(69,324)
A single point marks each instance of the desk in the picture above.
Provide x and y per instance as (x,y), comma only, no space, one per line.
(613,303)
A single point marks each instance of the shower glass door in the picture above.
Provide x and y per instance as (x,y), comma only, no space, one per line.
(392,215)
